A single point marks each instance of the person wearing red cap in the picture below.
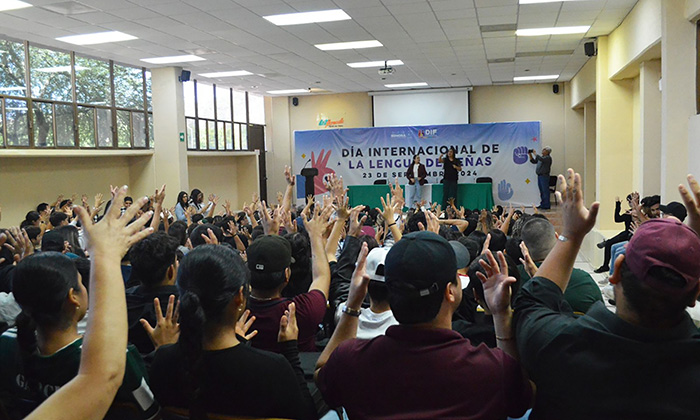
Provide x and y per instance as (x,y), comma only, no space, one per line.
(638,363)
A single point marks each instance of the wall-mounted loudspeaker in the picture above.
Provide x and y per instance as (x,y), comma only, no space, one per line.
(555,88)
(184,76)
(589,48)
(295,101)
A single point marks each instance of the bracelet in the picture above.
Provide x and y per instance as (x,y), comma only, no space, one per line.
(393,224)
(562,238)
(503,338)
(352,312)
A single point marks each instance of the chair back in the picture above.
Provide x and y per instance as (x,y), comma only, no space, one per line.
(553,181)
(484,180)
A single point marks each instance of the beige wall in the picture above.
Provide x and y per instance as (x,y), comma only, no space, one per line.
(533,102)
(692,9)
(583,84)
(29,181)
(638,33)
(231,177)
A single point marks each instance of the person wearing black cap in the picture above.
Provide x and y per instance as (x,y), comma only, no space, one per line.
(674,209)
(269,258)
(420,369)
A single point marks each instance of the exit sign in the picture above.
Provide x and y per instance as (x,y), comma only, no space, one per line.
(182,137)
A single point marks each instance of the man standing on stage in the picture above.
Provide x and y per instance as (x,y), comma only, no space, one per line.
(452,167)
(544,166)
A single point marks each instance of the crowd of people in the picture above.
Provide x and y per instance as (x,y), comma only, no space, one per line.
(128,309)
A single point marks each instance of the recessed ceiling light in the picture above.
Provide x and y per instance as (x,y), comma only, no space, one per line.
(562,30)
(59,69)
(227,73)
(13,5)
(365,64)
(531,78)
(96,38)
(406,85)
(307,17)
(353,45)
(173,59)
(287,91)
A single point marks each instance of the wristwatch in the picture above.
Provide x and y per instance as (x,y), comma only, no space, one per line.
(352,312)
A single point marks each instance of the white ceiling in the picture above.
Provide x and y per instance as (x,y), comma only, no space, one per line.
(440,41)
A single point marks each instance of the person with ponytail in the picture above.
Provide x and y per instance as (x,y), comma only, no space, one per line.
(211,369)
(45,358)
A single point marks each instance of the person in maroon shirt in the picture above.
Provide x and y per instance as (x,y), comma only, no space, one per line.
(421,369)
(269,258)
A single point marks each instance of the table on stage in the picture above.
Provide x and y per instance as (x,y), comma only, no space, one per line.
(471,196)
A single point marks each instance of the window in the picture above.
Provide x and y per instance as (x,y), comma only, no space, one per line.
(128,87)
(256,109)
(92,85)
(216,116)
(50,72)
(70,103)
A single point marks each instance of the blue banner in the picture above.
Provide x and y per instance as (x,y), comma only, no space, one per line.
(363,156)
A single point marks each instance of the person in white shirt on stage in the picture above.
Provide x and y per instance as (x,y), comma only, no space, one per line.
(416,175)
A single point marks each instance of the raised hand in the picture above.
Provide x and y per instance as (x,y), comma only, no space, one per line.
(496,283)
(270,223)
(112,236)
(526,261)
(487,243)
(243,325)
(578,220)
(289,330)
(288,176)
(692,202)
(359,281)
(167,329)
(159,196)
(210,238)
(18,242)
(356,222)
(317,224)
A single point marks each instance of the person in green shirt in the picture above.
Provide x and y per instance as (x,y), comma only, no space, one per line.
(539,238)
(43,353)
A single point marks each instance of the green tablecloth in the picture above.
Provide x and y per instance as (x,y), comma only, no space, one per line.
(471,196)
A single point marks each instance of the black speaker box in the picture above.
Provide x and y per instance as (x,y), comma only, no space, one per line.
(555,88)
(184,76)
(589,48)
(295,101)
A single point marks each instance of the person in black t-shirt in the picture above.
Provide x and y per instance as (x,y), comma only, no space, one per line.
(452,166)
(211,369)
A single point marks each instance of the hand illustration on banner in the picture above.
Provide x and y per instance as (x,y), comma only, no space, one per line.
(505,191)
(520,155)
(323,170)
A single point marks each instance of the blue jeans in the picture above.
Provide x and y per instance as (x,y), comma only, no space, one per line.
(543,183)
(617,250)
(414,194)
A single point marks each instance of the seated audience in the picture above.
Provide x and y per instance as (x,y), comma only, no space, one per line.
(540,238)
(422,356)
(638,363)
(154,268)
(209,369)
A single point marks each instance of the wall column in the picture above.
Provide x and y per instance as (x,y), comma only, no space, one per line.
(589,154)
(677,95)
(650,130)
(170,154)
(614,137)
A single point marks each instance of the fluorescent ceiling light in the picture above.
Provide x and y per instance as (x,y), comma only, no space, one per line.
(13,5)
(365,64)
(9,108)
(60,69)
(530,78)
(287,91)
(227,73)
(406,85)
(96,38)
(173,59)
(353,45)
(542,1)
(308,17)
(563,30)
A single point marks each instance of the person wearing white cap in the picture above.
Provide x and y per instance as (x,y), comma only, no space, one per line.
(374,321)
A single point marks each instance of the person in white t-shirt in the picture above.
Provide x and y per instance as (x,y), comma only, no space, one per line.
(416,175)
(375,320)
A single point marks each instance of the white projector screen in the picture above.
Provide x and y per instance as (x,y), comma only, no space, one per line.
(421,108)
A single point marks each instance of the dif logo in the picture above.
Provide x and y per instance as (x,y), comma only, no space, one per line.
(430,132)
